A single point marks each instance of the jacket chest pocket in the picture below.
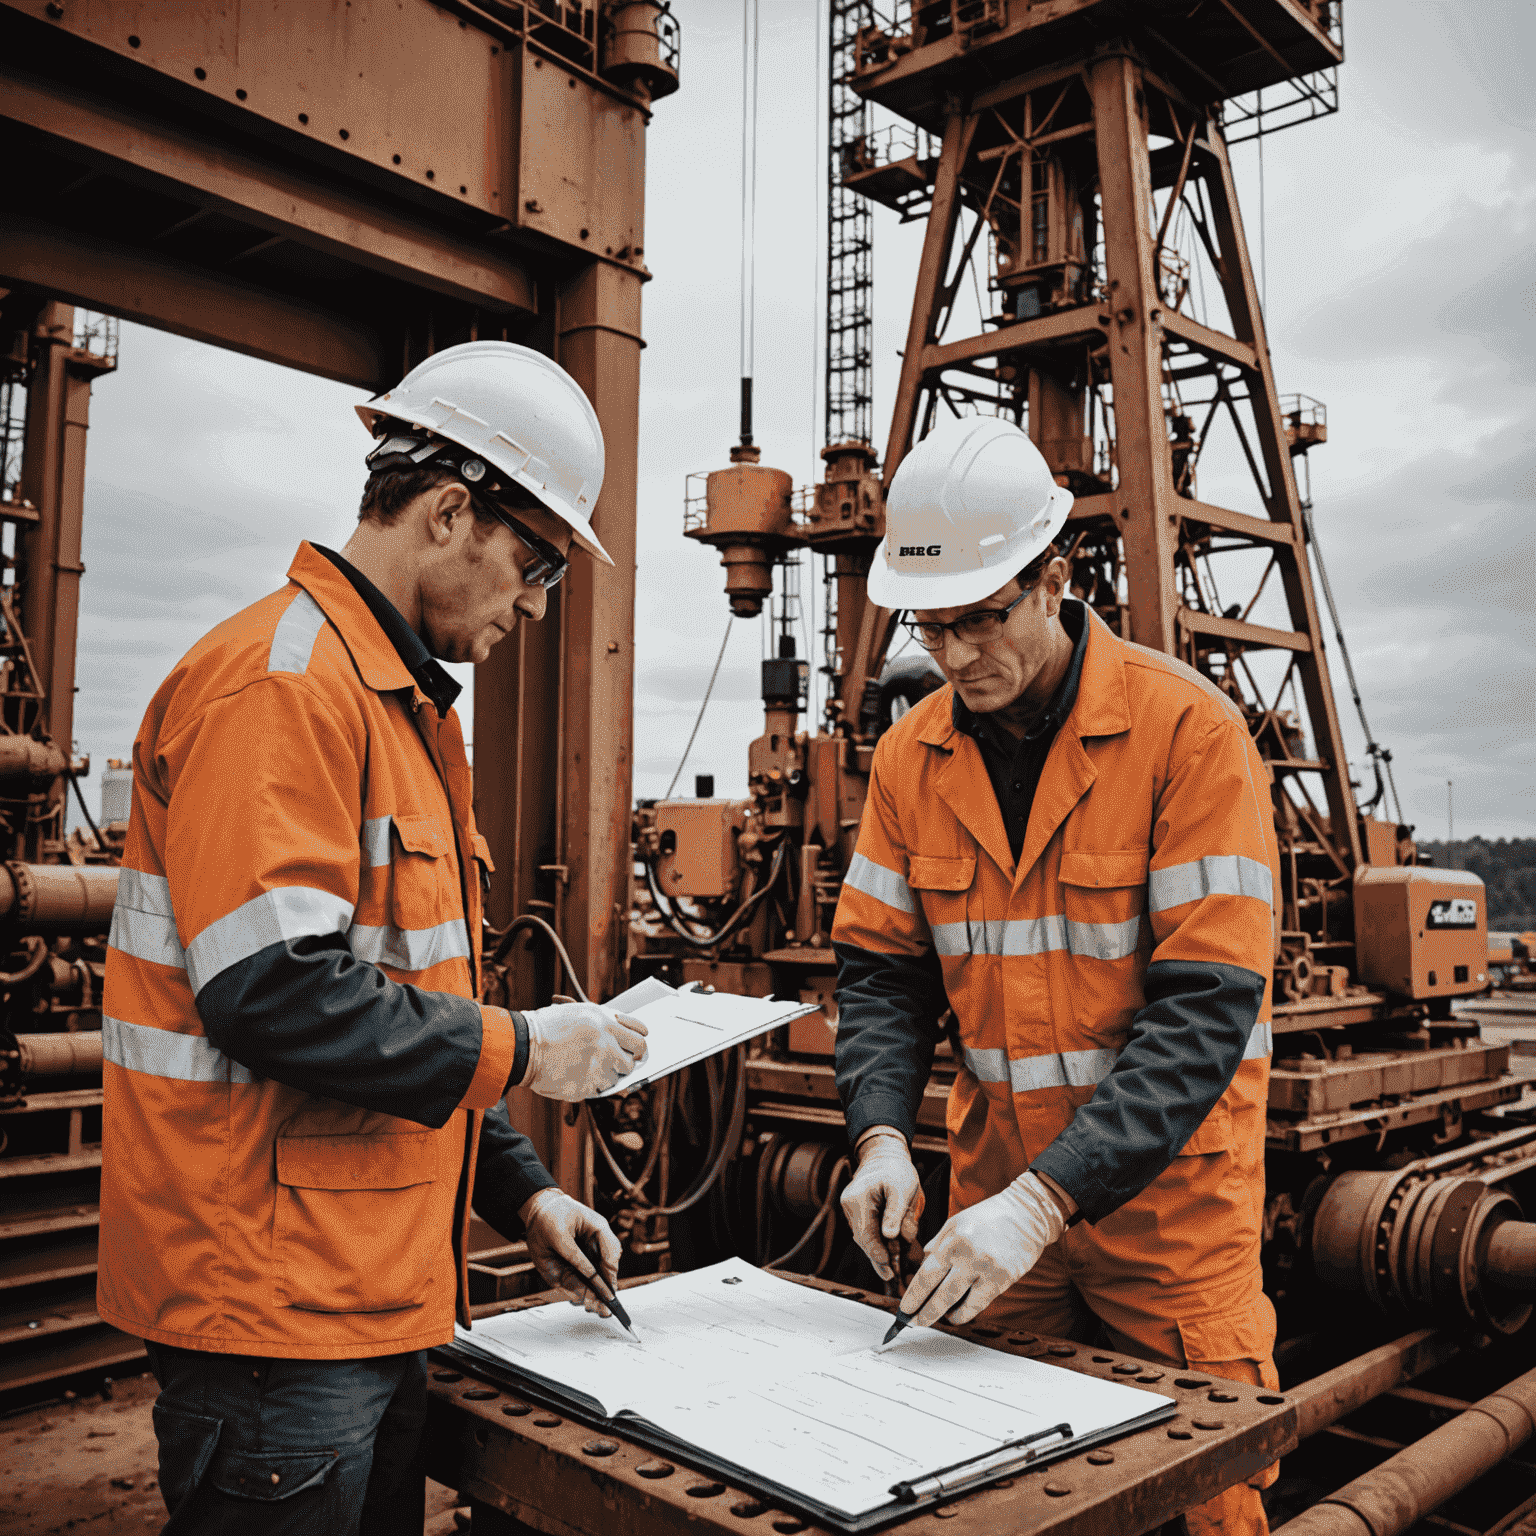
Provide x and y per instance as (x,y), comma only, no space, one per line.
(424,890)
(1104,896)
(353,1228)
(944,888)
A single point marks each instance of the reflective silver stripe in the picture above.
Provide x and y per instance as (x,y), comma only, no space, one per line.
(1104,941)
(978,937)
(376,842)
(165,1053)
(1217,874)
(289,912)
(1027,1074)
(410,949)
(146,936)
(885,885)
(1037,936)
(145,893)
(294,637)
(1260,1043)
(143,924)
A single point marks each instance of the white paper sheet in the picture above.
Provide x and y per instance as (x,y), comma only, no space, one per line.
(783,1380)
(685,1026)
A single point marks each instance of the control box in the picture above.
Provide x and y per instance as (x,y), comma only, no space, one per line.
(697,847)
(1420,932)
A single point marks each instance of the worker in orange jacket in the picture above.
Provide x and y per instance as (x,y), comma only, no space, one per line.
(1072,848)
(301,1090)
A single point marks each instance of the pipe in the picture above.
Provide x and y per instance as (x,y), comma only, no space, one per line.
(57,898)
(25,760)
(59,1055)
(1421,1477)
(1511,1260)
(1330,1397)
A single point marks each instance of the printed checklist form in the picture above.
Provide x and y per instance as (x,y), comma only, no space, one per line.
(760,1376)
(685,1026)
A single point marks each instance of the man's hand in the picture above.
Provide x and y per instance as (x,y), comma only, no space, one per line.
(577,1050)
(559,1230)
(884,1198)
(979,1253)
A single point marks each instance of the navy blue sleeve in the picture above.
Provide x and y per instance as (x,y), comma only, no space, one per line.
(507,1172)
(888,1008)
(1186,1043)
(307,1013)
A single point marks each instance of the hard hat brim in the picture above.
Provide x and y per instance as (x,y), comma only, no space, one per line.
(952,589)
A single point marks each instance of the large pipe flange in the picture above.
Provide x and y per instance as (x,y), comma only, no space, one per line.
(1415,1245)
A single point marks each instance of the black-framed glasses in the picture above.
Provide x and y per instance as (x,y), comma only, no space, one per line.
(978,627)
(548,567)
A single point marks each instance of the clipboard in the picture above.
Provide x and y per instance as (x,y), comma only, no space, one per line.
(913,1497)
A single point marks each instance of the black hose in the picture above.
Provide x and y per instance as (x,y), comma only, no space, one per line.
(732,923)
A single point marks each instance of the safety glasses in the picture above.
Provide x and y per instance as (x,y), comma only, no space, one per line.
(548,567)
(978,627)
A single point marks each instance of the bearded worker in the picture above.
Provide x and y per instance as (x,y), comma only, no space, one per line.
(301,1091)
(1072,848)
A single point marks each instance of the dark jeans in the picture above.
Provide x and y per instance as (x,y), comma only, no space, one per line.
(257,1447)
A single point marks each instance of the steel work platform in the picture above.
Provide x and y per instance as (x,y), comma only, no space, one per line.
(521,1466)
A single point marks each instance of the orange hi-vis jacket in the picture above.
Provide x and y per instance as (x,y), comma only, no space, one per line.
(295,1063)
(1111,989)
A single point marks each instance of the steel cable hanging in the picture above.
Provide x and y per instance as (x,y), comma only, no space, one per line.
(1379,755)
(703,705)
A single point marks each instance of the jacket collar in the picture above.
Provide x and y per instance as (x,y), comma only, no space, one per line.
(379,663)
(1101,708)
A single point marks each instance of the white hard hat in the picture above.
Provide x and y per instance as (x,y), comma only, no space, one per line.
(519,411)
(970,507)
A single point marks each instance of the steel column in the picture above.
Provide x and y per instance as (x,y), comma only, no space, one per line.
(1144,496)
(554,715)
(53,480)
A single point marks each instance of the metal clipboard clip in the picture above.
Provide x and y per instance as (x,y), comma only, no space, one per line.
(961,1476)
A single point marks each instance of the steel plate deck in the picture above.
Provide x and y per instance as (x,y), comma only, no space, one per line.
(567,1479)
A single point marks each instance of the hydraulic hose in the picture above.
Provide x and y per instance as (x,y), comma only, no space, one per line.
(732,923)
(842,1166)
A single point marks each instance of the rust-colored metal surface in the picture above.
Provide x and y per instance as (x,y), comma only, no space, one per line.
(562,1477)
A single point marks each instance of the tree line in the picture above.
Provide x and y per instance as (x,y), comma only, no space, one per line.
(1506,866)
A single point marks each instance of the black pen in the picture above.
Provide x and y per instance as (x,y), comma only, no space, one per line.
(904,1320)
(611,1301)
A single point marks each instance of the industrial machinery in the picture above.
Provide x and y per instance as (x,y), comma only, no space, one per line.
(1073,166)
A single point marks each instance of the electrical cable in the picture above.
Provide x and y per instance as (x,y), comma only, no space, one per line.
(841,1168)
(732,923)
(1380,757)
(504,937)
(84,809)
(703,705)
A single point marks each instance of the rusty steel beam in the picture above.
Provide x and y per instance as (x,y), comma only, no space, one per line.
(1337,1393)
(1396,1495)
(96,271)
(310,210)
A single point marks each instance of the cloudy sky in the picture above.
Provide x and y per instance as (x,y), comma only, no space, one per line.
(1399,263)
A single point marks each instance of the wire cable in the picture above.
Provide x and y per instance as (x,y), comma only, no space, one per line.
(732,923)
(816,1221)
(703,705)
(1380,757)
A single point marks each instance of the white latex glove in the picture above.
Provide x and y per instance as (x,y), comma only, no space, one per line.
(883,1199)
(979,1253)
(559,1231)
(576,1050)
